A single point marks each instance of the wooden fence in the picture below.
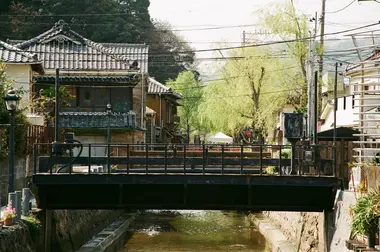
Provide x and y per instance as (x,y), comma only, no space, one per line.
(38,134)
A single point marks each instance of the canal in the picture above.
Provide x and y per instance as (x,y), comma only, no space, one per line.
(164,231)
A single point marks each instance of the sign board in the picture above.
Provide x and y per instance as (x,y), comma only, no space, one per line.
(293,125)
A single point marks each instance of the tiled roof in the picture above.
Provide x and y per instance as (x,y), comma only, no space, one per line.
(61,47)
(155,87)
(13,55)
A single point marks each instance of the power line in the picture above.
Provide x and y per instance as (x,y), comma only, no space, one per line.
(331,12)
(153,30)
(260,44)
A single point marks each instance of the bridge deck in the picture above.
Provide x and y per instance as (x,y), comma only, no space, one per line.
(163,181)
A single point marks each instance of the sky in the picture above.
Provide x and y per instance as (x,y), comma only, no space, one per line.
(196,14)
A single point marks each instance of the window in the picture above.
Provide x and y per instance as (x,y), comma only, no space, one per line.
(120,98)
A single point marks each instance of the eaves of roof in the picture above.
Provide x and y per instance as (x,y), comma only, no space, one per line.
(131,80)
(353,69)
(155,87)
(12,55)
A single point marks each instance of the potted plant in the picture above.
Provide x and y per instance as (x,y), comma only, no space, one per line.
(9,213)
(365,216)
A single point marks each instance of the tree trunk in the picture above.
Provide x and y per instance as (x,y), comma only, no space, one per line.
(188,134)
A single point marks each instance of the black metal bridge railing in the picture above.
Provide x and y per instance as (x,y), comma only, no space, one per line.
(276,160)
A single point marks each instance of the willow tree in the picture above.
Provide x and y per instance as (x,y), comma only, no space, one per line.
(191,91)
(284,22)
(249,95)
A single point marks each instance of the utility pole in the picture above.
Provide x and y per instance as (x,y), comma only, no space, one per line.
(322,42)
(311,83)
(244,38)
(322,35)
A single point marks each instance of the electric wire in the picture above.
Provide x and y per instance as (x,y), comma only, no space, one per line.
(331,12)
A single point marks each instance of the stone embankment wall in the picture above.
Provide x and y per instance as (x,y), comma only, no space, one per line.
(16,238)
(71,229)
(20,177)
(301,229)
(306,230)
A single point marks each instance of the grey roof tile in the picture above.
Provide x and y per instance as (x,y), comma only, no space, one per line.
(155,87)
(12,54)
(61,47)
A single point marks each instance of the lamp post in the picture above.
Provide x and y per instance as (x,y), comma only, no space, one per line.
(11,102)
(109,113)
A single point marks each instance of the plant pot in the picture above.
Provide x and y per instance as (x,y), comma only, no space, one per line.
(371,240)
(8,222)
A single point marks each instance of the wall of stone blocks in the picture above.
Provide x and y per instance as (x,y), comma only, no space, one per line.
(20,176)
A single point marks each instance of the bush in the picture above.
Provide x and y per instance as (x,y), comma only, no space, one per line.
(34,226)
(286,154)
(365,213)
(271,170)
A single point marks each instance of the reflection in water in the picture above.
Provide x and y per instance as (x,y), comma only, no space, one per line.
(163,231)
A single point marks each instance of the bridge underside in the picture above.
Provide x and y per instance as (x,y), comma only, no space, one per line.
(166,191)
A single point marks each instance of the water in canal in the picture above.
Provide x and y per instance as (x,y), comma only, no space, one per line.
(164,231)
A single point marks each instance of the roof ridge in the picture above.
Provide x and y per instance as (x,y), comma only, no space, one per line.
(18,50)
(124,44)
(62,27)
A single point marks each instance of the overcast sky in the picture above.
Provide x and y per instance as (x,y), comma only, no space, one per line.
(205,13)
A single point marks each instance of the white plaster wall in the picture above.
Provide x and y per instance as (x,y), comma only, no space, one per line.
(21,75)
(344,116)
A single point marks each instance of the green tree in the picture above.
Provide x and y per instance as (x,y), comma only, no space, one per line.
(191,91)
(283,21)
(114,21)
(20,119)
(249,95)
(170,54)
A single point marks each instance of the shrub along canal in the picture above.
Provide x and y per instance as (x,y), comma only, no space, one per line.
(163,231)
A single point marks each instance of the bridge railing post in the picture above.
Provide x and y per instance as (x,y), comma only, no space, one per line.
(279,165)
(261,159)
(128,158)
(166,158)
(241,158)
(108,158)
(89,158)
(184,158)
(222,158)
(335,161)
(35,158)
(70,158)
(54,157)
(203,159)
(146,158)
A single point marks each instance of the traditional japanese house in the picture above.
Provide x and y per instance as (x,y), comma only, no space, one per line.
(94,74)
(164,101)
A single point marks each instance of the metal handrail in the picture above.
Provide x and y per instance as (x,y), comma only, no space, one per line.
(167,158)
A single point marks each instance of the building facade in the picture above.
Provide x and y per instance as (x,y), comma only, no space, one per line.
(91,75)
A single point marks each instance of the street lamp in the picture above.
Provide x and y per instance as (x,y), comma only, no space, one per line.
(11,102)
(109,113)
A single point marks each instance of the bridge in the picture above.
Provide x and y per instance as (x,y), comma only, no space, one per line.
(182,176)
